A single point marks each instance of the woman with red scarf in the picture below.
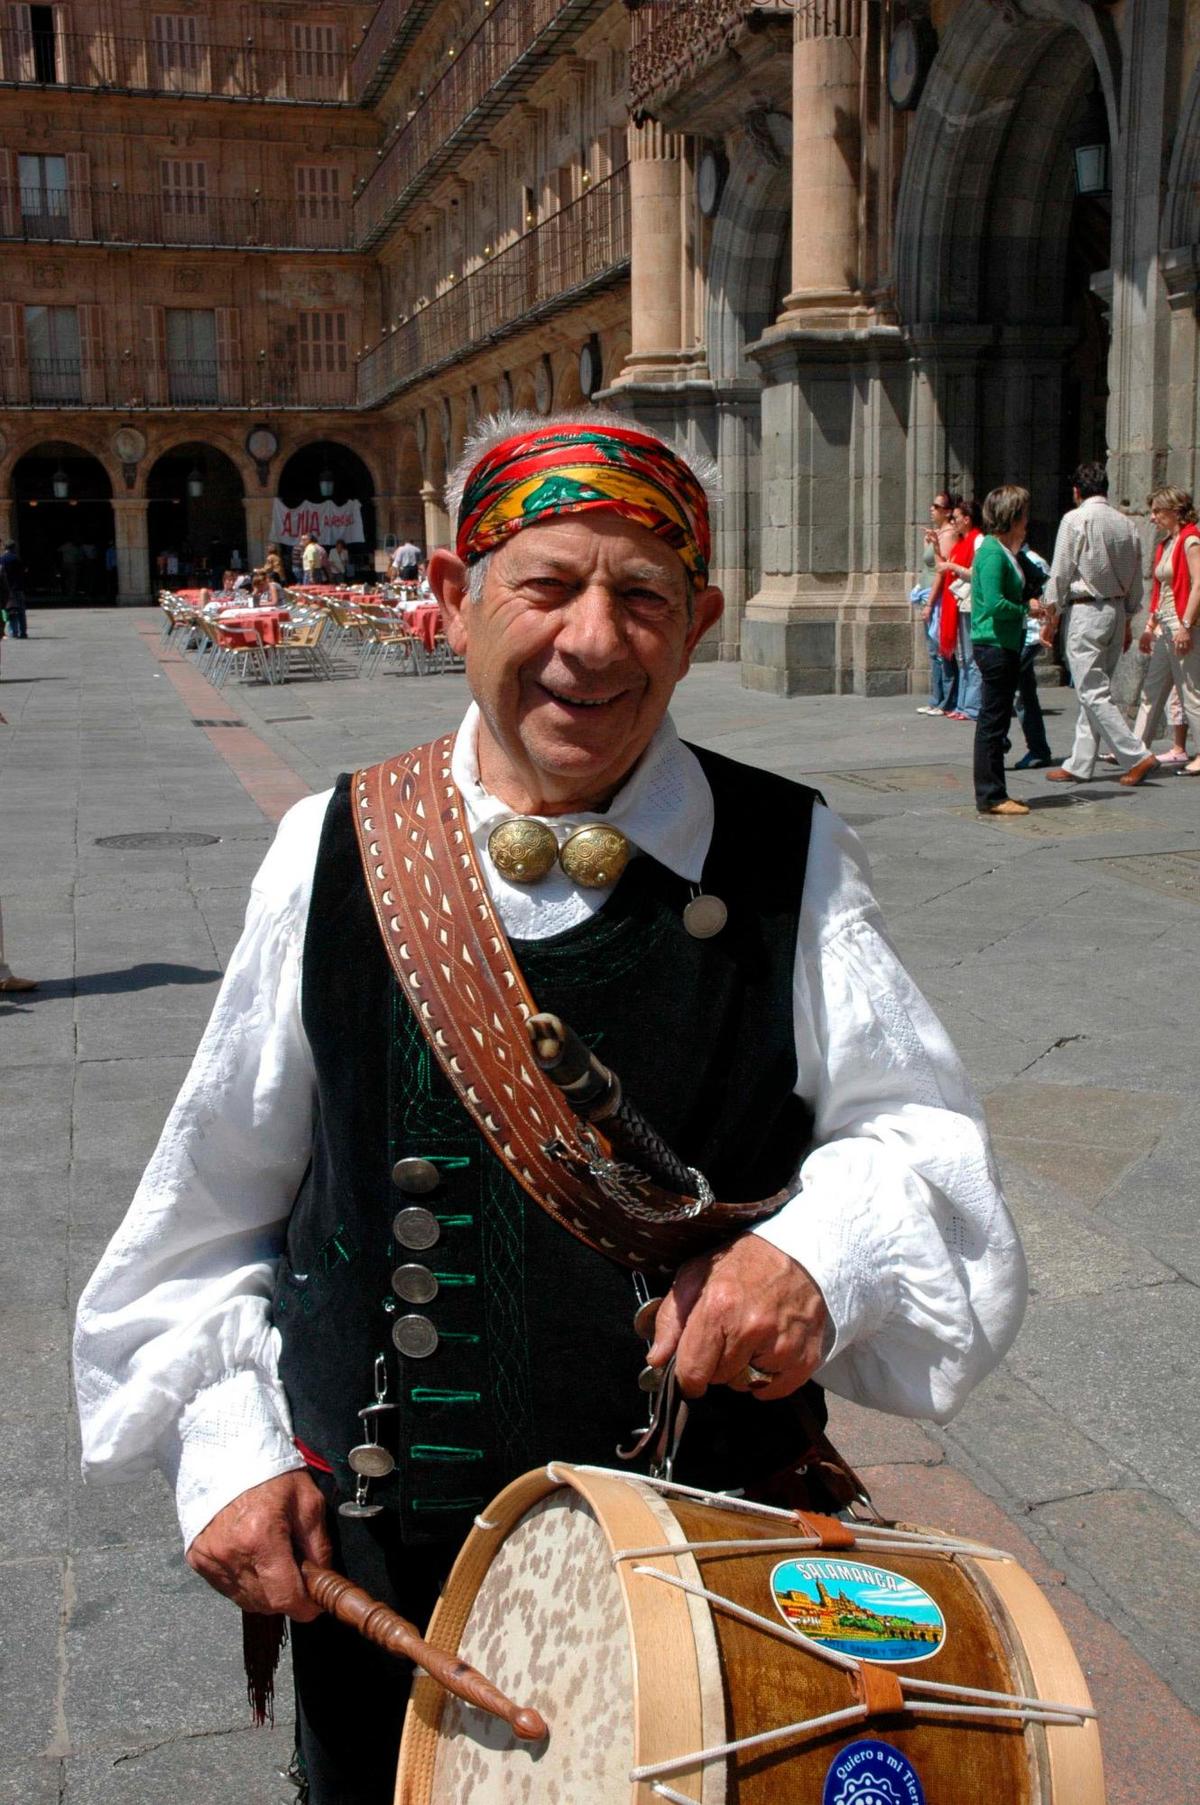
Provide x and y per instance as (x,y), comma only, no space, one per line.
(1170,637)
(955,637)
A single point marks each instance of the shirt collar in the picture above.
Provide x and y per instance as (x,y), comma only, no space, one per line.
(665,807)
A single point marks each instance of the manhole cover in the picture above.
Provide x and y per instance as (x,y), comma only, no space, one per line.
(156,842)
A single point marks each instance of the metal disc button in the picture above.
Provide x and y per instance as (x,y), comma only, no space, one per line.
(416,1228)
(705,916)
(651,1378)
(415,1336)
(372,1461)
(647,1315)
(352,1508)
(416,1177)
(415,1284)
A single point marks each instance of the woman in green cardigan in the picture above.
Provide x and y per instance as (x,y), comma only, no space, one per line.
(998,615)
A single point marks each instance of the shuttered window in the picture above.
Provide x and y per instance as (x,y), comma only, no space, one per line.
(191,344)
(52,344)
(318,204)
(183,192)
(43,188)
(323,356)
(178,51)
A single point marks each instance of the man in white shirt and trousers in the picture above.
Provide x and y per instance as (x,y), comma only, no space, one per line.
(1097,573)
(256,1299)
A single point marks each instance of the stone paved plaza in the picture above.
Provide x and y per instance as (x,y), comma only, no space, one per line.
(1058,949)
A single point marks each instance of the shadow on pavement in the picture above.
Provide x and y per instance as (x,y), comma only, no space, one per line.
(115,983)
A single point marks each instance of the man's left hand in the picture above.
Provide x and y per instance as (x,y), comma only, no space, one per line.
(747,1304)
(1128,636)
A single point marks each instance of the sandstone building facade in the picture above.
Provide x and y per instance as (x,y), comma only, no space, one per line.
(856,249)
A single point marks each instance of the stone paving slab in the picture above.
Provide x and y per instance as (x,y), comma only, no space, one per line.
(1058,977)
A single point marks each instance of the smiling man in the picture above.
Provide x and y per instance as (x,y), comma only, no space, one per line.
(345,1306)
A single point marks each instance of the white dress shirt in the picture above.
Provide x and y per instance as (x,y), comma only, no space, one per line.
(897,1212)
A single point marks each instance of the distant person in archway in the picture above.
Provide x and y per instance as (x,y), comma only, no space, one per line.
(69,559)
(13,572)
(1096,573)
(337,561)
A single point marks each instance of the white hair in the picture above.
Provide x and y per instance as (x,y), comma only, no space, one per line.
(495,428)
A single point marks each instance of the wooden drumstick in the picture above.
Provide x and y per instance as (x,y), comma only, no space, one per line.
(388,1630)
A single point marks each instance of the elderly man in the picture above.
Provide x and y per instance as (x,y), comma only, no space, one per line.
(327,1166)
(1097,574)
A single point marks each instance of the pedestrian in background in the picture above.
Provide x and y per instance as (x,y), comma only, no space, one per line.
(955,571)
(940,537)
(1028,707)
(9,982)
(312,559)
(1096,573)
(1170,636)
(13,572)
(999,610)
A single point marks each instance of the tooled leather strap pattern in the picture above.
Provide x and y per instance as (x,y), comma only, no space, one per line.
(451,956)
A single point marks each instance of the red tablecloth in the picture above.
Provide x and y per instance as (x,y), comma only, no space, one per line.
(264,625)
(425,623)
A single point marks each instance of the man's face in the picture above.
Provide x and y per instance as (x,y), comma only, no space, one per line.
(585,626)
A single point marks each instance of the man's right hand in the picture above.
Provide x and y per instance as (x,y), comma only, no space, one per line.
(251,1550)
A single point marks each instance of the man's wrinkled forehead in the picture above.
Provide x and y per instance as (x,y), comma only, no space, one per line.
(574,549)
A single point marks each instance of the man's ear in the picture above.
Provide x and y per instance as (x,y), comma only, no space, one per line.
(707,609)
(447,577)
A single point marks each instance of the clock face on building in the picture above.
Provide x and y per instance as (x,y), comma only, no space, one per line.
(589,367)
(262,444)
(914,45)
(710,179)
(129,444)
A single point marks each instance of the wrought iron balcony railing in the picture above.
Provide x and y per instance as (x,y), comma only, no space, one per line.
(671,40)
(300,68)
(392,29)
(135,383)
(195,219)
(583,247)
(503,55)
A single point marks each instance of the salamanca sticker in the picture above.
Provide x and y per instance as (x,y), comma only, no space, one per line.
(858,1610)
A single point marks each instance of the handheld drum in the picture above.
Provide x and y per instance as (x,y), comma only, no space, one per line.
(691,1647)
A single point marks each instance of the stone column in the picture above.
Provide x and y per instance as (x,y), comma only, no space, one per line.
(130,520)
(436,519)
(258,527)
(831,613)
(827,54)
(659,184)
(1181,272)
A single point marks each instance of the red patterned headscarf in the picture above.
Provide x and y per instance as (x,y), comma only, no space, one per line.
(574,469)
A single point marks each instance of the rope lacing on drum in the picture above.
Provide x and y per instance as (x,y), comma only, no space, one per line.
(933,1696)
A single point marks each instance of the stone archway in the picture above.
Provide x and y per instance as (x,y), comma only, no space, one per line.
(1179,256)
(324,469)
(64,525)
(999,263)
(195,515)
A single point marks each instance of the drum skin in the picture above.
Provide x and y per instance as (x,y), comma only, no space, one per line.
(629,1671)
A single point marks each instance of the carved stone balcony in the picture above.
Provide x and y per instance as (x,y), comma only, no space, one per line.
(582,248)
(683,54)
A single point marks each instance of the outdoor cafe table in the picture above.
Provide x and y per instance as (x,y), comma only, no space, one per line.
(264,625)
(424,624)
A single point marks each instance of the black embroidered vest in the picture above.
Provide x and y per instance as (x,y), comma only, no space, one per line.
(536,1356)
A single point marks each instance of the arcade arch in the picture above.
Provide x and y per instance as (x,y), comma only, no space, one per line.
(1000,262)
(63,524)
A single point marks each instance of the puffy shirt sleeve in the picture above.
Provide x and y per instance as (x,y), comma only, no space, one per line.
(898,1215)
(176,1359)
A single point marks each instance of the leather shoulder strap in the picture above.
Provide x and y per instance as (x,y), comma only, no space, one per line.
(454,964)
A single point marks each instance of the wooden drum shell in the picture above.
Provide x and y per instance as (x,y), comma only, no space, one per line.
(699,1677)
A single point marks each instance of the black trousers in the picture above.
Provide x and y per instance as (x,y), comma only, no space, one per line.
(351,1696)
(1000,671)
(1029,705)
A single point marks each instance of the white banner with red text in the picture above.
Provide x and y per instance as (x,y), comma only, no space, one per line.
(329,520)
